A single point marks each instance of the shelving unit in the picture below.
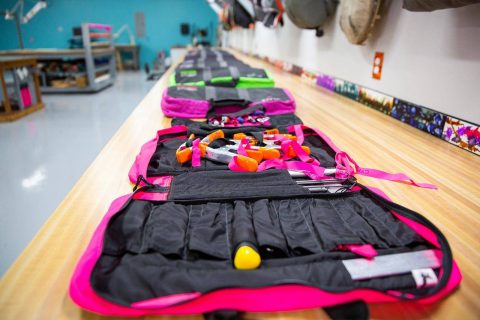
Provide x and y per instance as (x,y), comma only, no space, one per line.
(95,75)
(20,91)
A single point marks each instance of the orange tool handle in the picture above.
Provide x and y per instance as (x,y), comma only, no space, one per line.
(246,163)
(269,154)
(239,136)
(292,154)
(203,149)
(184,155)
(271,131)
(255,155)
(214,136)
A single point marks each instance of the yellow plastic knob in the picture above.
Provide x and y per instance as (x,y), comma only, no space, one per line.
(246,258)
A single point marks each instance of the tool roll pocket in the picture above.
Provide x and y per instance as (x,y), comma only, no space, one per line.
(153,248)
(288,227)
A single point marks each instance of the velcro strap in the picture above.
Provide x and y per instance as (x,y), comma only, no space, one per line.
(210,93)
(234,73)
(243,94)
(207,75)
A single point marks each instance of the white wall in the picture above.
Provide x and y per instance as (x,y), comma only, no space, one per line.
(432,59)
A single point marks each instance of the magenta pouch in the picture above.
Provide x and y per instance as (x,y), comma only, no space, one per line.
(196,101)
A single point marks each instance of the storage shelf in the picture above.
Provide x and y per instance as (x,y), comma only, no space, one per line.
(65,74)
(102,68)
(97,87)
(92,50)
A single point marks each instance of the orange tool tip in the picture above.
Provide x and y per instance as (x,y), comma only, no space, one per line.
(272,131)
(246,163)
(255,155)
(269,154)
(184,155)
(239,136)
(203,149)
(216,135)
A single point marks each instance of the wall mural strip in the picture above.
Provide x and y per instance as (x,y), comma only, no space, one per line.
(455,131)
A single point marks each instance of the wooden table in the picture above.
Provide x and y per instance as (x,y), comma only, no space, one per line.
(36,285)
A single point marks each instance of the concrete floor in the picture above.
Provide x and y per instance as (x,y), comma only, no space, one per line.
(43,154)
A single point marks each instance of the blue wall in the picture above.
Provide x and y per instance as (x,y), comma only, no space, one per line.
(51,27)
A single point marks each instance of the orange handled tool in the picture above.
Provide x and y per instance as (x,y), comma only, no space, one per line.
(184,152)
(213,136)
(246,163)
(269,153)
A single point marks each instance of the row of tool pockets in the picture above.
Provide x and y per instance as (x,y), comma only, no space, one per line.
(278,228)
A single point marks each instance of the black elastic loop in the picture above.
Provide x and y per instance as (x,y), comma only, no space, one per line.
(141,178)
(355,310)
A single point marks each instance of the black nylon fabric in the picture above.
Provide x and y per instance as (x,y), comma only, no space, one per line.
(233,184)
(197,75)
(221,93)
(153,249)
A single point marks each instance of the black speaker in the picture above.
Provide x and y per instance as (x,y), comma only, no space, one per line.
(185,29)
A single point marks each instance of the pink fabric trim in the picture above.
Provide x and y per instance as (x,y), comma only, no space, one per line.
(152,196)
(364,250)
(162,302)
(325,138)
(195,153)
(164,181)
(242,148)
(190,108)
(299,133)
(140,165)
(302,155)
(312,171)
(344,161)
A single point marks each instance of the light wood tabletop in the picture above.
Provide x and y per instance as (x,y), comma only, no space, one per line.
(35,286)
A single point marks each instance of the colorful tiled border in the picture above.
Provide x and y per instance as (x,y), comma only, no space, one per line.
(455,131)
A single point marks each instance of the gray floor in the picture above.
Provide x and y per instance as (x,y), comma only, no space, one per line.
(43,154)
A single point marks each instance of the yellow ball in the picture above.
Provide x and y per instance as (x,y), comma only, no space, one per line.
(247,258)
